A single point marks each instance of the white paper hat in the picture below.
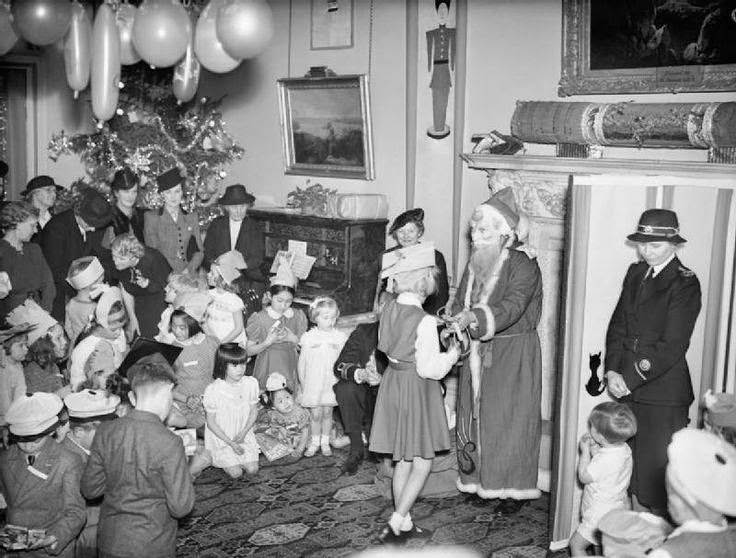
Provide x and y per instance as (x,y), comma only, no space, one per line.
(411,258)
(88,404)
(88,275)
(32,414)
(275,381)
(30,312)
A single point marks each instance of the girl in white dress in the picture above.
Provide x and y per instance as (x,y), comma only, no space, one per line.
(320,347)
(224,318)
(231,408)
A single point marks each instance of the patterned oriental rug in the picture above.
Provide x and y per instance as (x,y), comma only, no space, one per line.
(308,509)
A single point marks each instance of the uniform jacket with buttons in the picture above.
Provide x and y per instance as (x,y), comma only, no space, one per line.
(650,331)
(172,239)
(53,503)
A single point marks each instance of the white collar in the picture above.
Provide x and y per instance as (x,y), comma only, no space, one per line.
(73,441)
(698,526)
(412,299)
(289,313)
(193,340)
(657,268)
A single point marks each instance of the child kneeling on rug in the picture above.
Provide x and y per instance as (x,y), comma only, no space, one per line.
(231,409)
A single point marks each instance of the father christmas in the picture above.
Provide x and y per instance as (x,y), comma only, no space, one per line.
(498,407)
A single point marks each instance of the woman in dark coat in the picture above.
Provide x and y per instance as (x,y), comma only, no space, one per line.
(143,273)
(647,339)
(408,229)
(22,260)
(126,217)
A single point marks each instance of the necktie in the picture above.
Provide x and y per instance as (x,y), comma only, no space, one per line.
(31,460)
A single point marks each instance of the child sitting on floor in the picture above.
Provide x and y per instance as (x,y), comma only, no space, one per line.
(179,283)
(231,408)
(85,276)
(39,477)
(282,428)
(224,319)
(320,347)
(274,332)
(140,468)
(604,469)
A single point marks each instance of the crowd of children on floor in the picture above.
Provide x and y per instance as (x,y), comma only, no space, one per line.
(93,459)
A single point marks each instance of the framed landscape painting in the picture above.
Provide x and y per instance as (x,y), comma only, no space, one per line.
(647,46)
(326,126)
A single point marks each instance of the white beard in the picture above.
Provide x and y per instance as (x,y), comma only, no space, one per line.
(483,262)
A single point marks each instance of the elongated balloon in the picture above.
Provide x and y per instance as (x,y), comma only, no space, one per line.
(125,18)
(8,37)
(105,64)
(186,74)
(77,49)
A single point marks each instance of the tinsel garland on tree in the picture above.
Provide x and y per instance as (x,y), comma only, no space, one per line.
(151,134)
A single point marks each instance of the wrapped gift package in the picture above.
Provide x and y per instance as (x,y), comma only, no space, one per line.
(360,206)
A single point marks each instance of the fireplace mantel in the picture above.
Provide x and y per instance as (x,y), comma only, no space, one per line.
(565,165)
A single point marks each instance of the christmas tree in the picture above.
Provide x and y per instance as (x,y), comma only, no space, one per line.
(151,134)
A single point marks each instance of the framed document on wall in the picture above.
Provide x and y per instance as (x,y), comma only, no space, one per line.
(332,24)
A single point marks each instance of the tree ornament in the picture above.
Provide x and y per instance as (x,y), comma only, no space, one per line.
(105,64)
(124,19)
(161,32)
(77,49)
(244,27)
(186,74)
(8,37)
(207,46)
(42,22)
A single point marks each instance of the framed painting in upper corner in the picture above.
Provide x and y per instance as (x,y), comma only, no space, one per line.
(326,126)
(332,24)
(647,46)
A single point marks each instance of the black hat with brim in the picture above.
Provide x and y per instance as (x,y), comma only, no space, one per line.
(145,347)
(37,182)
(237,195)
(93,208)
(657,225)
(415,215)
(170,179)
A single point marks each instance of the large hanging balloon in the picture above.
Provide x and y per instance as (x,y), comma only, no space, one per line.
(125,17)
(8,38)
(42,22)
(161,32)
(207,46)
(244,27)
(77,49)
(186,75)
(105,64)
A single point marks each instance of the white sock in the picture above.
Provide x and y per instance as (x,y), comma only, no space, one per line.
(325,440)
(407,524)
(395,522)
(315,441)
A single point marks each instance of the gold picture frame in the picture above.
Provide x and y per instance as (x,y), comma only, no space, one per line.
(326,126)
(607,48)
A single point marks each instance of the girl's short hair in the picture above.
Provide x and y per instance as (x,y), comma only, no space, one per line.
(267,397)
(228,353)
(14,213)
(320,304)
(273,290)
(42,351)
(193,326)
(614,421)
(127,246)
(420,281)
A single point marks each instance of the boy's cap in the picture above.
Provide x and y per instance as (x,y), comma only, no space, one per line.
(31,313)
(194,304)
(33,414)
(275,381)
(89,404)
(406,259)
(721,409)
(88,275)
(705,465)
(144,347)
(625,531)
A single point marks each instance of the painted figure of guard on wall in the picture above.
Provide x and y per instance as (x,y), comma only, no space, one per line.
(440,62)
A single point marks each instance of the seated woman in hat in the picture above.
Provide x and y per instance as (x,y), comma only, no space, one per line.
(41,193)
(234,231)
(126,217)
(647,339)
(171,230)
(143,273)
(408,230)
(22,260)
(40,478)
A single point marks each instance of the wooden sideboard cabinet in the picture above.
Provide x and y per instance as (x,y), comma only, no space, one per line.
(347,251)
